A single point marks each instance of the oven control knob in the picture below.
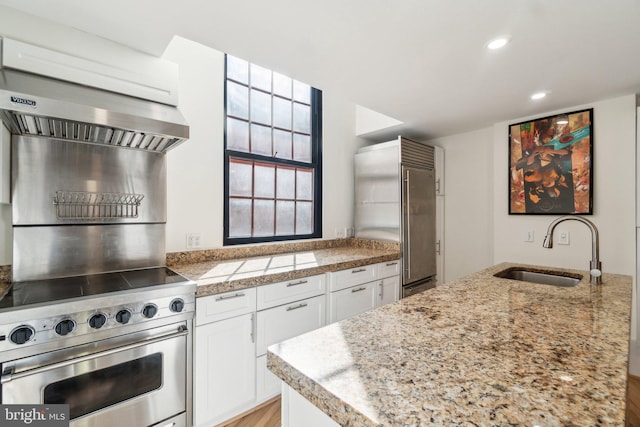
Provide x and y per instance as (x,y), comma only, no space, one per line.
(65,326)
(97,321)
(123,316)
(21,334)
(177,305)
(149,310)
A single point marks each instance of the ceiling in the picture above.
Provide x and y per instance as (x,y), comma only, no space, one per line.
(422,62)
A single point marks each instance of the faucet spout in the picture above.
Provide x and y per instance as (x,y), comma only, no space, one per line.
(595,266)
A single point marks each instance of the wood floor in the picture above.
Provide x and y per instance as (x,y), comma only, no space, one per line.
(633,401)
(265,415)
(268,414)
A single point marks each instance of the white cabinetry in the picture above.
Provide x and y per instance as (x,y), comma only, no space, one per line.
(302,309)
(224,374)
(360,289)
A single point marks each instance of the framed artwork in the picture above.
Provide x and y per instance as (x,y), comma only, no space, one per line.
(551,165)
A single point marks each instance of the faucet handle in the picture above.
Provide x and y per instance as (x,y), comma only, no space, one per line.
(595,272)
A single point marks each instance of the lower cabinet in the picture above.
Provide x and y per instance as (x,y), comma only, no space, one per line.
(234,329)
(298,411)
(278,324)
(389,290)
(224,375)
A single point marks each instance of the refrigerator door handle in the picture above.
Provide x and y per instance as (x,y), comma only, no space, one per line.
(408,223)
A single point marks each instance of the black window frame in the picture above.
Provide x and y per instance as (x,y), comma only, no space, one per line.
(315,164)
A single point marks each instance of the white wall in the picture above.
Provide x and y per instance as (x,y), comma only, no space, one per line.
(613,204)
(468,202)
(195,188)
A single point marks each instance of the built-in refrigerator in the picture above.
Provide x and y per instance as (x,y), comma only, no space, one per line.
(395,200)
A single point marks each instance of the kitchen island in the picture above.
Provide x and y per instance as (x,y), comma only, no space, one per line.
(477,351)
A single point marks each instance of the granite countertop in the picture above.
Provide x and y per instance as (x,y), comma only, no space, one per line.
(477,351)
(215,276)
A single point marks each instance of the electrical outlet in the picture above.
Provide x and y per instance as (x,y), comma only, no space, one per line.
(348,232)
(563,237)
(193,240)
(340,233)
(529,236)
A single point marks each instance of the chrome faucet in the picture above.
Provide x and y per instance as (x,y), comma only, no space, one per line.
(595,270)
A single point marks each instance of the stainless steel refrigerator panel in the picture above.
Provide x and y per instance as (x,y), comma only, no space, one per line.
(419,223)
(377,207)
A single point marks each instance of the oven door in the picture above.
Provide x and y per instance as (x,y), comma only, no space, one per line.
(141,383)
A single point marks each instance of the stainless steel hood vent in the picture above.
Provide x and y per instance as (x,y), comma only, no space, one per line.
(39,106)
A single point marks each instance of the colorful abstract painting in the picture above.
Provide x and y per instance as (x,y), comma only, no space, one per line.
(551,165)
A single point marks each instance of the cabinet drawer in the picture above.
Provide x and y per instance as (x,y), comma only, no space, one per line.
(292,290)
(388,269)
(351,301)
(346,278)
(222,306)
(287,321)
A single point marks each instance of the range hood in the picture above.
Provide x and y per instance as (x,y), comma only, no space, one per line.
(32,104)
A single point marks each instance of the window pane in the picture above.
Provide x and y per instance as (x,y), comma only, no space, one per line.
(263,217)
(237,135)
(284,218)
(301,118)
(282,85)
(286,183)
(282,144)
(304,184)
(301,148)
(260,77)
(264,181)
(237,100)
(260,107)
(237,69)
(239,217)
(301,92)
(281,113)
(303,218)
(240,178)
(261,140)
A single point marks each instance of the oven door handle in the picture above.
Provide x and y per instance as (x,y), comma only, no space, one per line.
(8,373)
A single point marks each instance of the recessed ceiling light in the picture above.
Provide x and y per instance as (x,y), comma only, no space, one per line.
(539,95)
(498,43)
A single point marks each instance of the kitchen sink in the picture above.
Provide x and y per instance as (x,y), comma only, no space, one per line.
(544,277)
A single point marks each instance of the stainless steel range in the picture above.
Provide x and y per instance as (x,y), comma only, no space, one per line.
(93,319)
(115,347)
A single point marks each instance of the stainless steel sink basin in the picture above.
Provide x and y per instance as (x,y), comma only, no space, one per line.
(544,277)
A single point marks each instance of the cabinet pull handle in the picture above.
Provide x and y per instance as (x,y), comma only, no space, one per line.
(389,264)
(224,297)
(358,289)
(253,328)
(295,307)
(300,282)
(359,270)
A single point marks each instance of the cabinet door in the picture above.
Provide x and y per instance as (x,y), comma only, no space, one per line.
(389,288)
(224,369)
(349,302)
(269,385)
(287,321)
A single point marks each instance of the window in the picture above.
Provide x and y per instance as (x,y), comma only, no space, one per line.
(273,172)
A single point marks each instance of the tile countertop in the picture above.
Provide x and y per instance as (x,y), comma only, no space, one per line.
(216,276)
(477,351)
